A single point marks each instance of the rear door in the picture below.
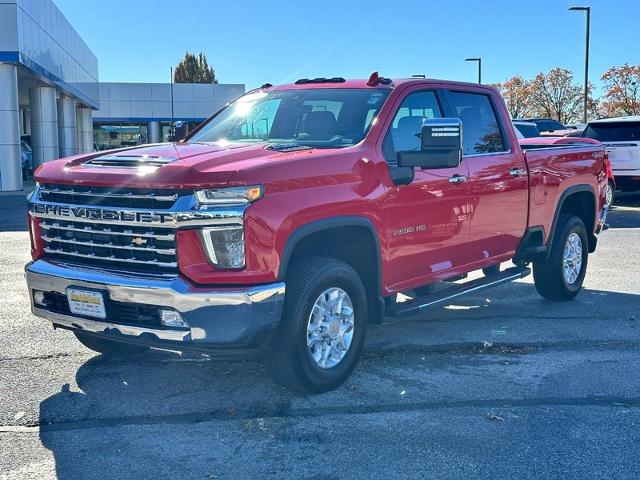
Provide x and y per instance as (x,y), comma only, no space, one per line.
(498,177)
(427,221)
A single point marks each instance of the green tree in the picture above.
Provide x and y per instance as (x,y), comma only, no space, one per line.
(194,69)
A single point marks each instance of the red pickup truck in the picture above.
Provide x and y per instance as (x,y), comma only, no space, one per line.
(289,220)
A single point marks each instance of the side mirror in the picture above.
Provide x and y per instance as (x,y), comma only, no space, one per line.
(441,145)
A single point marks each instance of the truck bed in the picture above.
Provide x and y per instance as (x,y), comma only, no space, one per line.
(554,170)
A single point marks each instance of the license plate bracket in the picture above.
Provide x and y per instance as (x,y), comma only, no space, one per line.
(87,303)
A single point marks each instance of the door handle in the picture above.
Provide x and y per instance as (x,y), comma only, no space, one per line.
(517,172)
(458,178)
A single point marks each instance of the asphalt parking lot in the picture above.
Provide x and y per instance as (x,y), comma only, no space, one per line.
(501,385)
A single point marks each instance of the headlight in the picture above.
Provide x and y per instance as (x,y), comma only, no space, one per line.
(230,195)
(224,245)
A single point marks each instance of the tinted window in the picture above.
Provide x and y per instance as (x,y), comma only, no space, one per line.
(613,131)
(323,117)
(480,130)
(528,131)
(407,124)
(549,125)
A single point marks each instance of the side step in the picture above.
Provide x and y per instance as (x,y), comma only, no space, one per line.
(415,306)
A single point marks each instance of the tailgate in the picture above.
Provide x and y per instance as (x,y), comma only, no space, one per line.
(624,155)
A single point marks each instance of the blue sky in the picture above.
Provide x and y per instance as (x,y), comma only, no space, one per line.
(255,42)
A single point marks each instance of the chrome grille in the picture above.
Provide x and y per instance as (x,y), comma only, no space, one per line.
(110,197)
(121,246)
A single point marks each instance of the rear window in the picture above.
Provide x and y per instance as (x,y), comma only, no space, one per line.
(528,131)
(613,131)
(480,130)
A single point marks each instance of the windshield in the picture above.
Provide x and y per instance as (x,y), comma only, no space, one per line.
(320,118)
(613,131)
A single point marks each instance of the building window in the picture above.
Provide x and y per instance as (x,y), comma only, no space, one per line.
(117,135)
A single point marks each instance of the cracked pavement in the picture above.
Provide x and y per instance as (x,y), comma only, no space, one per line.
(498,385)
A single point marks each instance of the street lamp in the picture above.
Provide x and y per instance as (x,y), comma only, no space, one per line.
(479,60)
(586,57)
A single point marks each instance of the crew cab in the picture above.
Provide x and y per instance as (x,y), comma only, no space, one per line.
(291,219)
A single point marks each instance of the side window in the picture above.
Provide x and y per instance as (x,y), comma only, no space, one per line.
(406,127)
(480,130)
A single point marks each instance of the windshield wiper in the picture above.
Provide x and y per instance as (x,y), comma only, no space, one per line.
(286,147)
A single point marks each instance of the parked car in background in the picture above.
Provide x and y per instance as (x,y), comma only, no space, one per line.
(577,126)
(527,129)
(545,125)
(621,138)
(26,156)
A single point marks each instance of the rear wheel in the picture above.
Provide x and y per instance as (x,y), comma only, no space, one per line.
(560,276)
(609,194)
(320,337)
(108,347)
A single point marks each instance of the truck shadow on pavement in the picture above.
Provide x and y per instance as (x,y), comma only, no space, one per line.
(625,212)
(91,425)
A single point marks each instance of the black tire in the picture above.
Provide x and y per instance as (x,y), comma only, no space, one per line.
(289,358)
(492,270)
(548,273)
(108,347)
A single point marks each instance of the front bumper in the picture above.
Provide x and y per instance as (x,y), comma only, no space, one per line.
(231,320)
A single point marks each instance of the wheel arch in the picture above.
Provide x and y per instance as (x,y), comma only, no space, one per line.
(323,238)
(581,201)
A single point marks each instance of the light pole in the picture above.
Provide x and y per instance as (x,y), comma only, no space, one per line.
(586,57)
(479,60)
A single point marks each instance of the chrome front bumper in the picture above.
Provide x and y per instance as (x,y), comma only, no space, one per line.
(225,317)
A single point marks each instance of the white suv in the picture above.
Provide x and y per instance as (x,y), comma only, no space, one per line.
(621,138)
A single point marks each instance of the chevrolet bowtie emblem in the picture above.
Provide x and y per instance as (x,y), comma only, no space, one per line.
(139,241)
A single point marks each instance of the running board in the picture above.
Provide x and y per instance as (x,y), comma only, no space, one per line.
(415,306)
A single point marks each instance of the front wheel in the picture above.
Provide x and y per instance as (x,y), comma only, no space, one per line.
(560,276)
(320,337)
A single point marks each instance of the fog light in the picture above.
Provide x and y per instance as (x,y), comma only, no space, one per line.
(171,318)
(38,297)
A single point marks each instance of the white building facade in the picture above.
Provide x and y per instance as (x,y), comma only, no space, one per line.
(135,113)
(52,103)
(48,80)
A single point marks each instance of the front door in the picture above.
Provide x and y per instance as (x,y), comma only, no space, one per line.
(427,221)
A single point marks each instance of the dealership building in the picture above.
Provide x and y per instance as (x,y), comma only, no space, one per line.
(52,103)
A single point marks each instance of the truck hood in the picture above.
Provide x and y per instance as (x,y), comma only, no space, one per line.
(177,165)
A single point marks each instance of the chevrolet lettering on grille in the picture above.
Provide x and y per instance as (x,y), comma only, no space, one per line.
(100,214)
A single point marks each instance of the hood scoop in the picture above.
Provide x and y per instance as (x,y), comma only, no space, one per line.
(129,161)
(286,147)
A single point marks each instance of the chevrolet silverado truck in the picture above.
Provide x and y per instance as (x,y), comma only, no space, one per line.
(291,219)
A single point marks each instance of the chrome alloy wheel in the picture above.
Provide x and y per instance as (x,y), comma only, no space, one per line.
(572,258)
(330,328)
(608,195)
